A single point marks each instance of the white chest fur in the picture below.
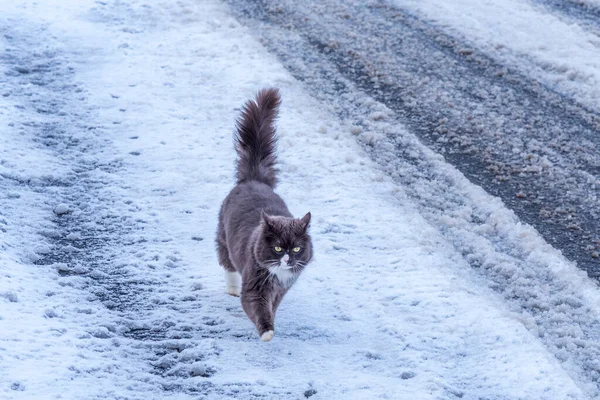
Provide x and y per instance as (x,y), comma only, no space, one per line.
(285,275)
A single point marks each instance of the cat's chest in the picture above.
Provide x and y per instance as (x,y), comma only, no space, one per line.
(285,277)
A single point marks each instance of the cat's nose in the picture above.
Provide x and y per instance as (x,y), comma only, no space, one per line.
(286,259)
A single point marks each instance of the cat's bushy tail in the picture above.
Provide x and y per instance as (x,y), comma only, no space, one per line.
(255,140)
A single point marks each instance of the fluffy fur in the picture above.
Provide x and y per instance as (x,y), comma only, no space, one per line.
(256,230)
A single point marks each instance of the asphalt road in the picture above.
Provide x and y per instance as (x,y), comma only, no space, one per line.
(516,138)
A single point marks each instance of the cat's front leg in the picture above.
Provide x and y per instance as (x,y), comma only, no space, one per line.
(259,310)
(264,321)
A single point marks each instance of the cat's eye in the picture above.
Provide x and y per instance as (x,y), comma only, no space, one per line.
(278,249)
(296,249)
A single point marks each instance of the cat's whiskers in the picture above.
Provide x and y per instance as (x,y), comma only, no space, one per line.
(269,263)
(298,266)
(268,276)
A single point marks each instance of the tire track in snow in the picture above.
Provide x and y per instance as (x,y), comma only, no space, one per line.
(87,228)
(497,247)
(518,140)
(586,14)
(97,246)
(156,334)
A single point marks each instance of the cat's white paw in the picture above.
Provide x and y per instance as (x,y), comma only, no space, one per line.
(234,291)
(267,336)
(234,283)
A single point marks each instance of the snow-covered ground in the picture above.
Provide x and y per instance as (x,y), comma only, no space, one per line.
(122,114)
(563,54)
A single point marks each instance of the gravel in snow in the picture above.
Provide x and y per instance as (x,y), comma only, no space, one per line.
(123,117)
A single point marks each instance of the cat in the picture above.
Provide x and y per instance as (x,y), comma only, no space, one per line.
(262,247)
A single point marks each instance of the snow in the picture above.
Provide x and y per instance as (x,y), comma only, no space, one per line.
(123,297)
(562,54)
(61,209)
(586,3)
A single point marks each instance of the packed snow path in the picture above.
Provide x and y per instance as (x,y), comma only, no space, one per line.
(116,123)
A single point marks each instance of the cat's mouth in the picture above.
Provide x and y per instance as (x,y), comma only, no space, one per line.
(279,264)
(276,268)
(284,266)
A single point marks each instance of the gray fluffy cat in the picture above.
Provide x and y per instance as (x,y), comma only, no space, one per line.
(262,247)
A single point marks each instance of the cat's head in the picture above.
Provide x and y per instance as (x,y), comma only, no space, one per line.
(285,245)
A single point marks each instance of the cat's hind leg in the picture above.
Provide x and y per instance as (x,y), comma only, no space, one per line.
(233,279)
(234,283)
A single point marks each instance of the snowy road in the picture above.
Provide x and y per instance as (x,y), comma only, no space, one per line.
(116,122)
(466,91)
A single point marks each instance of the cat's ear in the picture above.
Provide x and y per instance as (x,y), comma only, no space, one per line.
(306,220)
(265,217)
